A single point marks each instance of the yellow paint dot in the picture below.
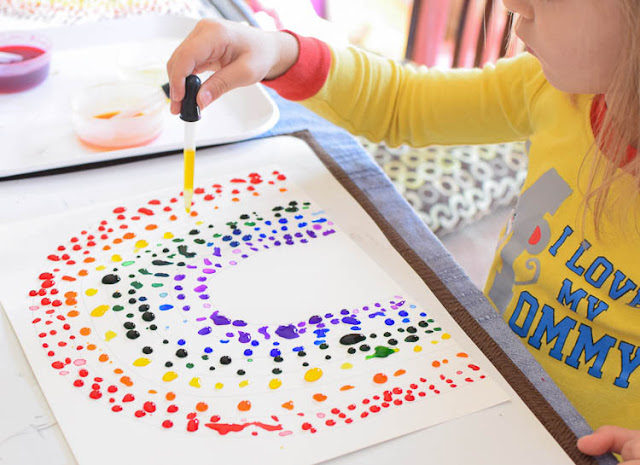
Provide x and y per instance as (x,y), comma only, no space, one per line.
(219,386)
(195,382)
(100,310)
(446,336)
(100,268)
(244,383)
(199,222)
(434,342)
(168,235)
(417,349)
(346,366)
(314,374)
(91,292)
(141,362)
(169,376)
(141,244)
(109,335)
(275,383)
(116,258)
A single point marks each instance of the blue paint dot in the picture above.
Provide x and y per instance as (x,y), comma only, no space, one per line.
(248,352)
(208,350)
(142,299)
(344,312)
(166,307)
(255,343)
(423,314)
(275,353)
(224,341)
(298,349)
(268,222)
(163,294)
(234,244)
(406,320)
(181,342)
(236,232)
(389,322)
(284,228)
(227,238)
(282,221)
(178,288)
(246,238)
(180,296)
(403,313)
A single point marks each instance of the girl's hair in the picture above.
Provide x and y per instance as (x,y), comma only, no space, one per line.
(619,130)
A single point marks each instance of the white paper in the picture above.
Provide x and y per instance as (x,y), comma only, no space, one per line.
(340,268)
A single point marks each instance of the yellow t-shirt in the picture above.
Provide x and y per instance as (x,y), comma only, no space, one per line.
(573,299)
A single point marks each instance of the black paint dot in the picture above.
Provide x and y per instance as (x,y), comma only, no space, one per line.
(365,348)
(323,346)
(423,324)
(392,342)
(276,371)
(129,325)
(302,353)
(412,338)
(132,301)
(373,335)
(351,339)
(225,360)
(401,330)
(116,295)
(165,342)
(305,364)
(351,350)
(387,334)
(241,372)
(327,357)
(147,350)
(168,364)
(110,279)
(133,334)
(144,307)
(277,359)
(181,353)
(412,329)
(153,327)
(148,316)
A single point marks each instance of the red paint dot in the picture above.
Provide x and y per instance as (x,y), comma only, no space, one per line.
(149,407)
(167,424)
(172,408)
(95,395)
(78,383)
(116,408)
(140,413)
(192,425)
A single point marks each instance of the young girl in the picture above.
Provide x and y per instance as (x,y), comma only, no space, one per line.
(564,276)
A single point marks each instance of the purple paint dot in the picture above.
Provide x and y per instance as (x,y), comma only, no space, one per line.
(191,267)
(178,288)
(201,288)
(208,271)
(181,296)
(229,334)
(186,308)
(335,321)
(204,331)
(207,261)
(179,277)
(219,319)
(244,337)
(317,226)
(202,318)
(204,296)
(239,323)
(202,278)
(287,332)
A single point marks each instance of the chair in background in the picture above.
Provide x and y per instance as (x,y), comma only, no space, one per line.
(459,33)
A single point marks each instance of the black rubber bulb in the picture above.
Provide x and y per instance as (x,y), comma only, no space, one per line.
(189,110)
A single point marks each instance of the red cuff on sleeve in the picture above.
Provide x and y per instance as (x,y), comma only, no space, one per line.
(307,76)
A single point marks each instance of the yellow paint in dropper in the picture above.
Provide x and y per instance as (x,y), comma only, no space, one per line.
(190,114)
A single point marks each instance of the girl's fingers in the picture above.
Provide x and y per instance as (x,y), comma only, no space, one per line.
(607,439)
(236,74)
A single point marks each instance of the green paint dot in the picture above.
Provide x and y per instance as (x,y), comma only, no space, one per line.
(117,308)
(189,365)
(205,357)
(143,271)
(178,240)
(157,285)
(249,223)
(381,352)
(127,263)
(136,284)
(249,360)
(437,329)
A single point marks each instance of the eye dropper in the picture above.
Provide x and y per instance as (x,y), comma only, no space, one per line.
(190,114)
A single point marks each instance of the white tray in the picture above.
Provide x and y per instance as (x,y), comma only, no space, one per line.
(35,126)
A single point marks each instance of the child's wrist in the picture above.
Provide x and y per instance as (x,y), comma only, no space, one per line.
(289,50)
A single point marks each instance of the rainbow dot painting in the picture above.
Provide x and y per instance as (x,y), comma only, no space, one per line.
(274,318)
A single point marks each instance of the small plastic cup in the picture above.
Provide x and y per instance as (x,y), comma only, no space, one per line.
(118,115)
(33,69)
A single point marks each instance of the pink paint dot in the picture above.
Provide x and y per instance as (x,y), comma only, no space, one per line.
(34,308)
(285,433)
(320,415)
(232,262)
(79,362)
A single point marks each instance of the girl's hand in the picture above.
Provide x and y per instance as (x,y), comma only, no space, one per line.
(240,55)
(622,441)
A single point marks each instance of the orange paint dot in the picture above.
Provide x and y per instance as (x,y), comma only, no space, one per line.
(70,294)
(73,313)
(117,241)
(462,355)
(201,407)
(235,199)
(435,364)
(70,302)
(173,217)
(68,278)
(152,391)
(194,213)
(256,194)
(86,332)
(288,405)
(380,378)
(106,247)
(103,357)
(91,347)
(126,381)
(170,396)
(399,372)
(118,371)
(319,397)
(282,189)
(89,260)
(129,235)
(150,227)
(346,387)
(244,406)
(83,273)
